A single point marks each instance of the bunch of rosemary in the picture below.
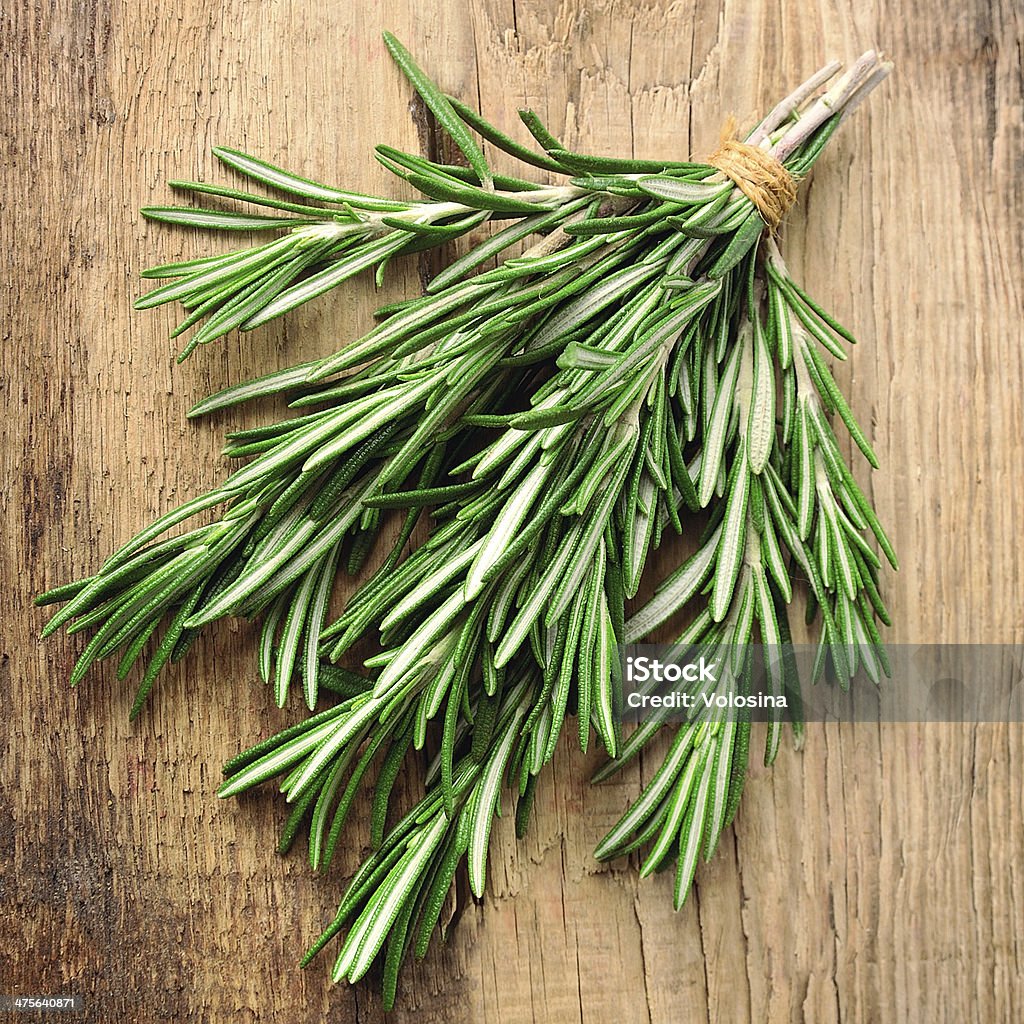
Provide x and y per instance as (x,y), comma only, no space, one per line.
(649,358)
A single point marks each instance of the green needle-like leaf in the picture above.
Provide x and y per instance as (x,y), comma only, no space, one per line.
(439,106)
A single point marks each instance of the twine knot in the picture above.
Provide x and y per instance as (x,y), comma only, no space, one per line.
(757,174)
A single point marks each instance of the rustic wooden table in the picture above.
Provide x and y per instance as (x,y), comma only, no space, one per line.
(874,876)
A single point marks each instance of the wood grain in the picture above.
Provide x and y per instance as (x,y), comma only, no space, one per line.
(874,876)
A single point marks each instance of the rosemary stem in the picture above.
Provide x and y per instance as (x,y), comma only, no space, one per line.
(787,107)
(868,70)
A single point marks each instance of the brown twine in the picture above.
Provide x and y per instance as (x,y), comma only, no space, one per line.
(757,174)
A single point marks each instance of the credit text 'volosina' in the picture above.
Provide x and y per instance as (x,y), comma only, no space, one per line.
(678,699)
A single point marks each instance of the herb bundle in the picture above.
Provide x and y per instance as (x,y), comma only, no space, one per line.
(646,364)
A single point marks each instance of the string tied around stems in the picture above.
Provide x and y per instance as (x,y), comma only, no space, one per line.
(757,174)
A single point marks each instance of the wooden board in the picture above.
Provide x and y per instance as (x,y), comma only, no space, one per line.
(876,875)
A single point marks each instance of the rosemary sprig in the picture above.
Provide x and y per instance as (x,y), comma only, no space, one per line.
(557,414)
(804,503)
(350,232)
(695,794)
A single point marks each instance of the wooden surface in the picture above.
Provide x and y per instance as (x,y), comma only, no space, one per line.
(874,876)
